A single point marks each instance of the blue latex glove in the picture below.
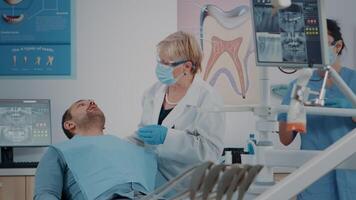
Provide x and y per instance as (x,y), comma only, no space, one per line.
(338,103)
(153,134)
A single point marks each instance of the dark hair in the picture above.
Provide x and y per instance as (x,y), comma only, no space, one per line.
(334,31)
(67,116)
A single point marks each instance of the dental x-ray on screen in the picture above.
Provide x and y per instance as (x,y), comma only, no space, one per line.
(291,37)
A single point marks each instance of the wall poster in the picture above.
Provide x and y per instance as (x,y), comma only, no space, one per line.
(35,37)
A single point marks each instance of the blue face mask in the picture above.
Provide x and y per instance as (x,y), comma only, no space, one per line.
(332,55)
(164,73)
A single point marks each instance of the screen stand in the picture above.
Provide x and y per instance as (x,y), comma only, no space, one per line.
(7,155)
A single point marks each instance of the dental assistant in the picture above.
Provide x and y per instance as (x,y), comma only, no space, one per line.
(173,120)
(322,131)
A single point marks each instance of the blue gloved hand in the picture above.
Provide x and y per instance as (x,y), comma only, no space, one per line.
(153,134)
(338,103)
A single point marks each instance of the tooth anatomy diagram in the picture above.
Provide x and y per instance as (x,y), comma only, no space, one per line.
(231,47)
(227,43)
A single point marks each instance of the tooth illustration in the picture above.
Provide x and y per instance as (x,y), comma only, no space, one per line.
(231,47)
(50,60)
(13,2)
(38,60)
(226,39)
(14,60)
(228,19)
(13,19)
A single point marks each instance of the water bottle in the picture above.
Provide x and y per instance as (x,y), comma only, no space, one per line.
(251,144)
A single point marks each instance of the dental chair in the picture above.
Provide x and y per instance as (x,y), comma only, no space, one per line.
(210,181)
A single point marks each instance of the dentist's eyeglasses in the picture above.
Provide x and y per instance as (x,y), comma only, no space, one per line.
(175,64)
(172,64)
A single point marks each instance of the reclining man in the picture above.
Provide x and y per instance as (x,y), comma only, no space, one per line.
(92,165)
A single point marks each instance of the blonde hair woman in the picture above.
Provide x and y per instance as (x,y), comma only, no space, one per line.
(173,120)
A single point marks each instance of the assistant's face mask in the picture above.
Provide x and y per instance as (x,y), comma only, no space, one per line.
(332,55)
(164,73)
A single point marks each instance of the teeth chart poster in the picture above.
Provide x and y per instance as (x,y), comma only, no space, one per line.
(35,37)
(224,30)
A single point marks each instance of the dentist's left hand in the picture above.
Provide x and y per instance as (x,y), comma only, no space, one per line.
(153,134)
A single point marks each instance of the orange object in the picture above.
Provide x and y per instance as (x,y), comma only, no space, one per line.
(296,126)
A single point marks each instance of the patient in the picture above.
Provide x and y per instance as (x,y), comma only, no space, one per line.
(92,165)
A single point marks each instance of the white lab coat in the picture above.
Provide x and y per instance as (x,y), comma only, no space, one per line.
(182,148)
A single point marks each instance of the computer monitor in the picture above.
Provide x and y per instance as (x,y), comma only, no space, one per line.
(24,123)
(292,37)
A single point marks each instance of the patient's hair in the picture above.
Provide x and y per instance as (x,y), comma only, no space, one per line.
(67,116)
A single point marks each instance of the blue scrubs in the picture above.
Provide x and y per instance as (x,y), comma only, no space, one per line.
(322,131)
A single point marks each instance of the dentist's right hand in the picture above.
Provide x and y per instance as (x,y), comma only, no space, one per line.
(153,134)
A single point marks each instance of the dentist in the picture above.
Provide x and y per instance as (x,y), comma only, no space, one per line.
(173,120)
